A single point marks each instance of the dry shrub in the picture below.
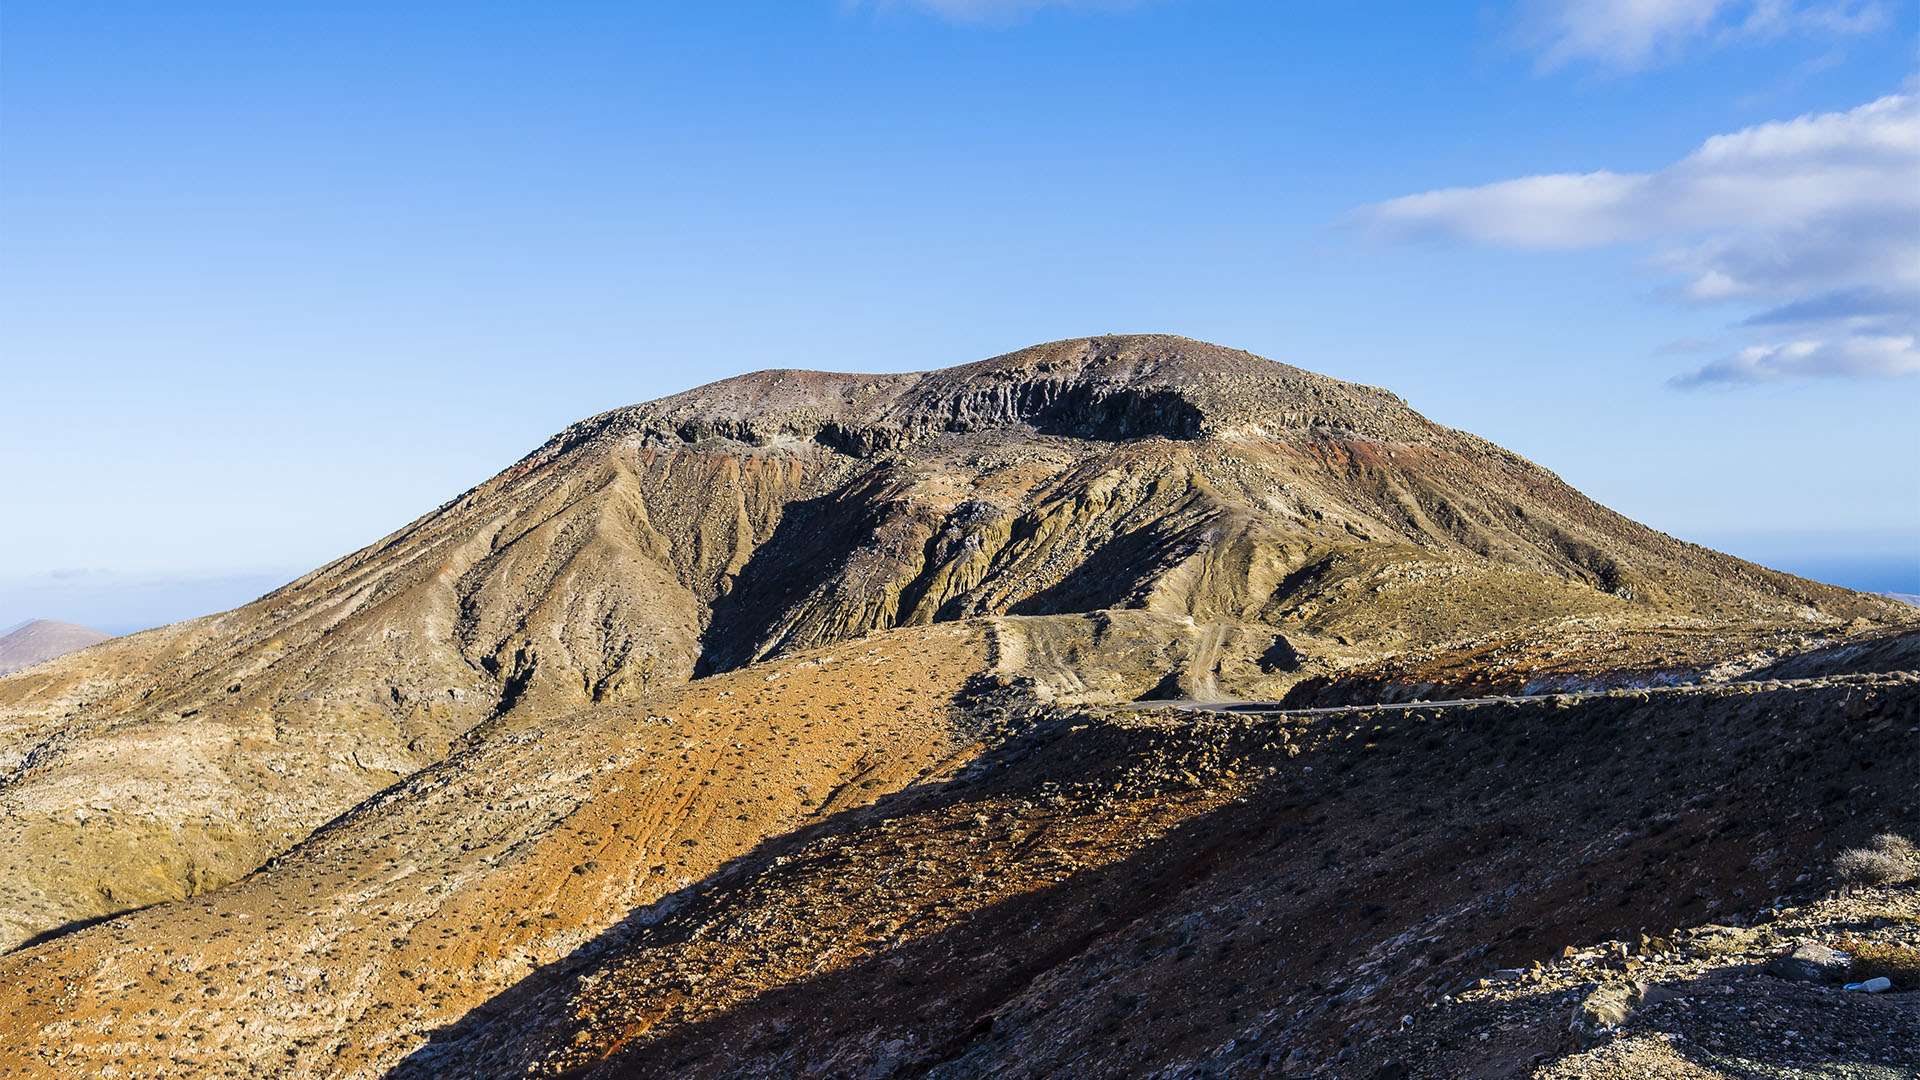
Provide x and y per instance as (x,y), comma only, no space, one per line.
(1886,860)
(1872,959)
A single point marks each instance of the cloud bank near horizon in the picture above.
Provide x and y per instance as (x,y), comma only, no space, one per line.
(1816,220)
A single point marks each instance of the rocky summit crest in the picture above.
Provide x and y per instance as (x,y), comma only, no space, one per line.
(1114,389)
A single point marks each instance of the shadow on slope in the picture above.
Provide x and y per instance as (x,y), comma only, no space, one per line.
(662,923)
(1115,574)
(813,539)
(1103,897)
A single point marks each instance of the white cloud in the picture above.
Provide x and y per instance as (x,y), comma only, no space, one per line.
(1818,216)
(990,11)
(1855,355)
(1636,33)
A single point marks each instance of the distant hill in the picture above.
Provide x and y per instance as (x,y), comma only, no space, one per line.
(1903,597)
(43,639)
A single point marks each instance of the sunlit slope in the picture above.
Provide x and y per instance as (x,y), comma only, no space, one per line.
(445,890)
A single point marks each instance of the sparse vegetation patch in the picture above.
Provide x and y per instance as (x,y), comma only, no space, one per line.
(1888,859)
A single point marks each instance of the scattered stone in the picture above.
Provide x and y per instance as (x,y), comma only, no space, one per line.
(1809,963)
(1714,940)
(1603,1009)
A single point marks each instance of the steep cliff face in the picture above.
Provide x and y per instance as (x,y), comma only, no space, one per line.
(1286,525)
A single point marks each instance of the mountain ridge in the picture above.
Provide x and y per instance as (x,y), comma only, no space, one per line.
(1095,387)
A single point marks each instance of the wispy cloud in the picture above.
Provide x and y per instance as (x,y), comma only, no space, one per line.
(1857,354)
(1628,34)
(1817,217)
(989,11)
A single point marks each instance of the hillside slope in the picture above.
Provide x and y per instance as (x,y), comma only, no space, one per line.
(980,883)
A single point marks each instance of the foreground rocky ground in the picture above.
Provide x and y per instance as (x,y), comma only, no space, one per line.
(1706,1001)
(980,884)
(1231,897)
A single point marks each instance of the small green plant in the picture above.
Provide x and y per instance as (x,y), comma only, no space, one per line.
(1900,964)
(1887,859)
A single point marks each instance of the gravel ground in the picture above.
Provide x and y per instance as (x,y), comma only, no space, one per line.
(1701,1003)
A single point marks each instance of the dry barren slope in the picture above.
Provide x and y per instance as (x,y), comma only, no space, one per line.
(431,898)
(1126,896)
(1304,523)
(980,884)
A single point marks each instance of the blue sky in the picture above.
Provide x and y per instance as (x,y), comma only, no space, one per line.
(276,279)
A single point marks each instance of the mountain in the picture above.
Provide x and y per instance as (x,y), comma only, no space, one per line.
(43,639)
(1285,525)
(691,649)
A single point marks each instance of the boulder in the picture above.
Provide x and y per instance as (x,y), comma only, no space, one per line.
(1602,1009)
(1809,963)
